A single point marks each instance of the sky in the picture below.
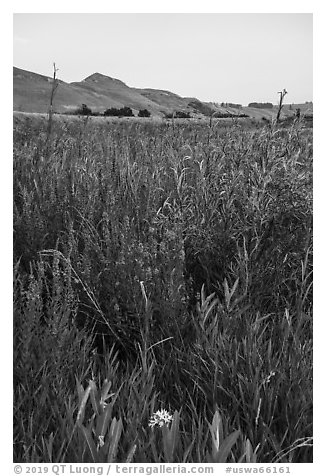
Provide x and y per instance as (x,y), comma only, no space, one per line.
(235,57)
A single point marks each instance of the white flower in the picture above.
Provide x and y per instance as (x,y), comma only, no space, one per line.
(268,379)
(160,418)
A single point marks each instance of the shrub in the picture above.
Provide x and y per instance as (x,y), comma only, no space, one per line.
(84,110)
(261,105)
(144,113)
(178,115)
(228,115)
(122,112)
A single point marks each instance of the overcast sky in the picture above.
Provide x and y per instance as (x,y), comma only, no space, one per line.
(236,57)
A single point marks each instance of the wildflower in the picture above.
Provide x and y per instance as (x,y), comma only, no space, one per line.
(268,379)
(160,418)
(170,235)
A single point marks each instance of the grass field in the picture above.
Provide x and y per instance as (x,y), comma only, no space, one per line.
(162,266)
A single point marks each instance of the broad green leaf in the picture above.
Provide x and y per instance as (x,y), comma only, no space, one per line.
(234,287)
(82,406)
(216,429)
(170,438)
(95,399)
(90,443)
(131,454)
(115,433)
(80,390)
(226,446)
(250,455)
(103,420)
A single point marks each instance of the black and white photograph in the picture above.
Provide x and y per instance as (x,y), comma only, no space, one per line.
(162,189)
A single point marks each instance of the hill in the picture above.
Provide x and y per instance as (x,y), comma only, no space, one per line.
(99,92)
(32,92)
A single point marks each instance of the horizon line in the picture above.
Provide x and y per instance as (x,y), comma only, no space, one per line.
(156,89)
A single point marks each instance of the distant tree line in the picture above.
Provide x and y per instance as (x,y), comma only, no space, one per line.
(261,105)
(125,111)
(226,115)
(144,113)
(231,104)
(122,112)
(178,115)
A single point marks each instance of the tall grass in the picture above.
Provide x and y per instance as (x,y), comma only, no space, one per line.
(162,267)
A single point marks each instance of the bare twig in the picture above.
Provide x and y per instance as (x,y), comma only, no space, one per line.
(55,84)
(280,105)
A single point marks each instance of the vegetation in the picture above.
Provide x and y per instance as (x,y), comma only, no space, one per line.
(84,110)
(178,115)
(228,115)
(282,94)
(204,109)
(231,104)
(122,112)
(125,111)
(162,292)
(55,84)
(261,105)
(144,113)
